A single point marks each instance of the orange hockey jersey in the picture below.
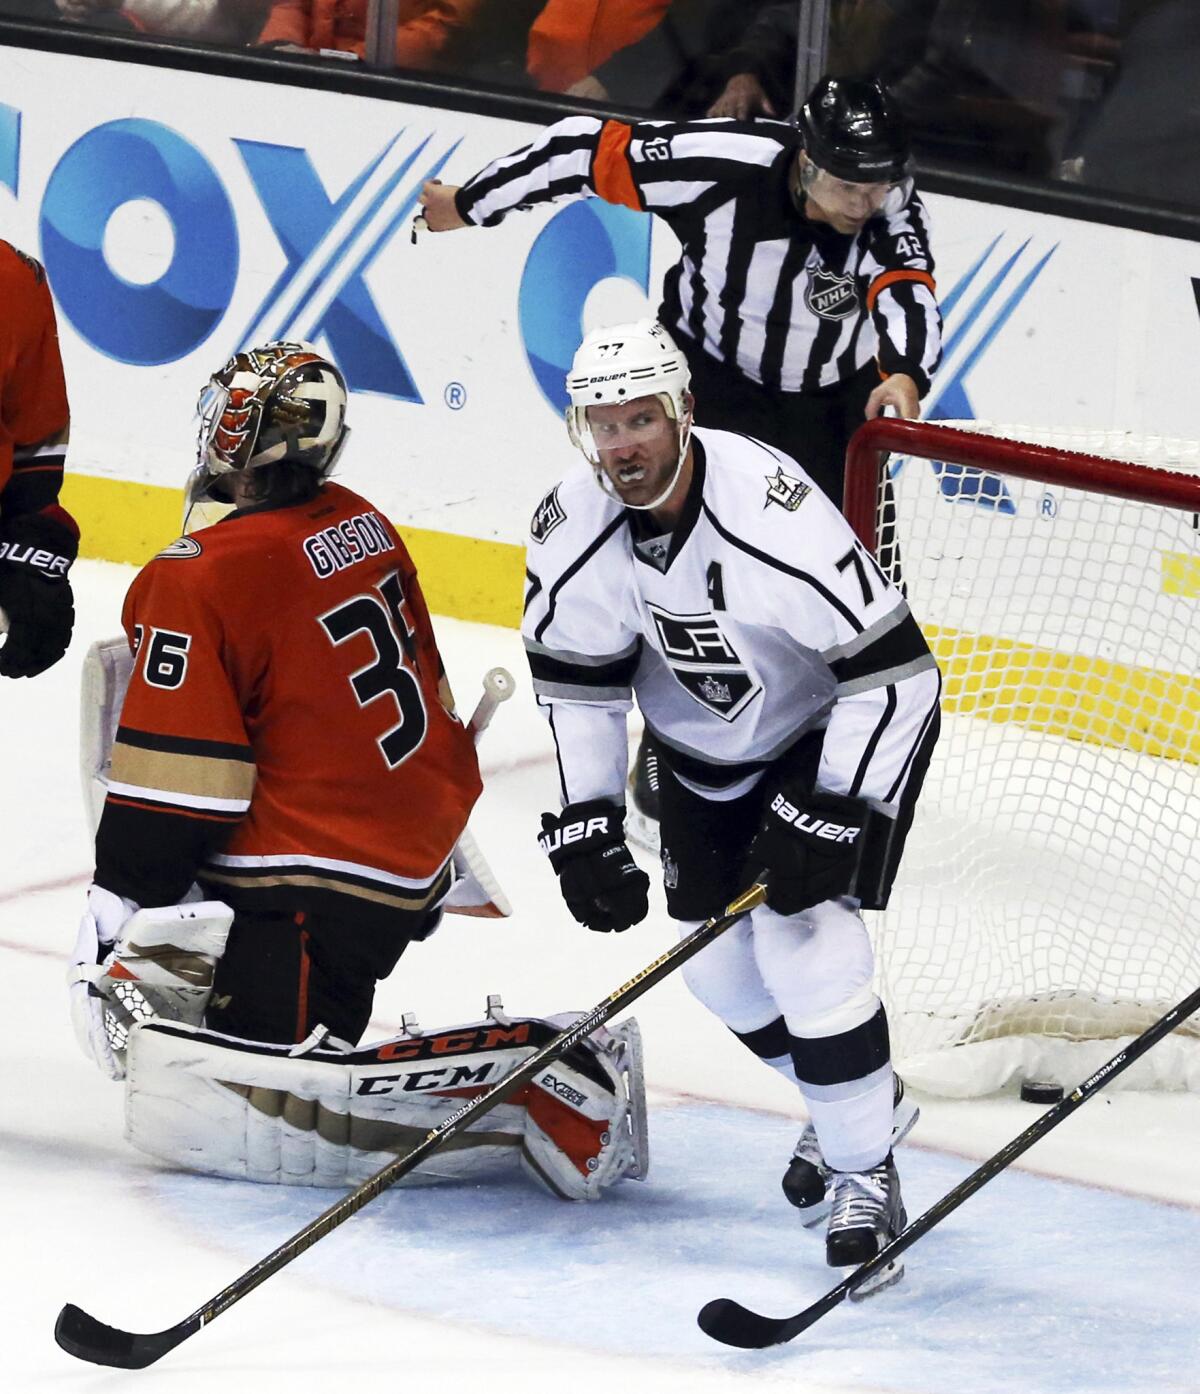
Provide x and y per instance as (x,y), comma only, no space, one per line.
(33,395)
(287,733)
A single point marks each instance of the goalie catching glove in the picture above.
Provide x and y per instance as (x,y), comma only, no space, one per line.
(810,845)
(130,964)
(603,886)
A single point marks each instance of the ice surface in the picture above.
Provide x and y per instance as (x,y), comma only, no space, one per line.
(1072,1273)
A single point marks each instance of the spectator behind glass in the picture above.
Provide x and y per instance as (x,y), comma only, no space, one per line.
(42,10)
(427,33)
(570,39)
(206,21)
(1145,138)
(559,45)
(978,81)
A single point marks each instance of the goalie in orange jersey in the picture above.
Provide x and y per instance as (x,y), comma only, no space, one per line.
(287,786)
(288,742)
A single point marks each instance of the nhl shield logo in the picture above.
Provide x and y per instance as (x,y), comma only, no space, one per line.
(546,516)
(830,296)
(786,490)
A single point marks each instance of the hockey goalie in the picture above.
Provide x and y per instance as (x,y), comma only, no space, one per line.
(279,786)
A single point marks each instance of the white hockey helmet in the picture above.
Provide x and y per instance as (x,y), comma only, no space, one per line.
(620,363)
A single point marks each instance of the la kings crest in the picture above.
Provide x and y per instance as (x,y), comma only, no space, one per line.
(704,662)
(786,490)
(546,516)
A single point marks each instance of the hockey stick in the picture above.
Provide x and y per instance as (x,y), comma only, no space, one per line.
(728,1321)
(498,686)
(83,1336)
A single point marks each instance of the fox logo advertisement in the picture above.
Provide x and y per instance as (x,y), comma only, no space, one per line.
(182,216)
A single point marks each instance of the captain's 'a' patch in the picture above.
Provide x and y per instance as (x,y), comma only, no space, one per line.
(786,490)
(546,516)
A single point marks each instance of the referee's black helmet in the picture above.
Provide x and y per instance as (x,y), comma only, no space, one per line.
(851,129)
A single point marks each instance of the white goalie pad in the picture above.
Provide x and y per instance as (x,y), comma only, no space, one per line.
(327,1117)
(107,669)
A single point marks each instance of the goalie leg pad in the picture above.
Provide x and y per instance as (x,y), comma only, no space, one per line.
(259,1112)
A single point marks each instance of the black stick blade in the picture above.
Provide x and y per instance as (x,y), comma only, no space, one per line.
(732,1324)
(88,1339)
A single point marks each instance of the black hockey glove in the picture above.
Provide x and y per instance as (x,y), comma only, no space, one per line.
(603,886)
(36,552)
(809,845)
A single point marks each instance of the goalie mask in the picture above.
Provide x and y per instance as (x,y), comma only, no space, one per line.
(619,364)
(280,402)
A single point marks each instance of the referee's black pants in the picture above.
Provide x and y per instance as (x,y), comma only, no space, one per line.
(814,428)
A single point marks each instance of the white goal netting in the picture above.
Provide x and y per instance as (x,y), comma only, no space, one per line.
(1046,906)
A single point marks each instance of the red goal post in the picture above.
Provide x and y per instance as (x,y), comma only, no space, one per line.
(1046,903)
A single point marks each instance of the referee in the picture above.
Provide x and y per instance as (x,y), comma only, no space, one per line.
(803,297)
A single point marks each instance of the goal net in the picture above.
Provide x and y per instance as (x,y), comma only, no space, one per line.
(1046,907)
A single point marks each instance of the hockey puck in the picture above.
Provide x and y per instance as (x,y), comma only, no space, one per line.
(1036,1091)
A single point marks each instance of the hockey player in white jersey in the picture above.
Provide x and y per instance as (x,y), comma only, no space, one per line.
(793,704)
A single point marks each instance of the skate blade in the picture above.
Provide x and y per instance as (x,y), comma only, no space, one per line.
(814,1218)
(885,1278)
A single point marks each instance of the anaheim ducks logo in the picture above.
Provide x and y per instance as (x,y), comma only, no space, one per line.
(182,547)
(830,296)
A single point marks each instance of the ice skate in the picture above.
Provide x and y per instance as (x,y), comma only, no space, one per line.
(806,1183)
(867,1213)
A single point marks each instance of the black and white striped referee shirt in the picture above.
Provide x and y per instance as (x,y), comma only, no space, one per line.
(793,303)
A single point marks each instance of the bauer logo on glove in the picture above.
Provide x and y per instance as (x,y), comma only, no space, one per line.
(603,886)
(810,848)
(565,833)
(806,823)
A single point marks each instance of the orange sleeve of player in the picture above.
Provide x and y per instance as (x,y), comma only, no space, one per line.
(181,739)
(182,768)
(34,401)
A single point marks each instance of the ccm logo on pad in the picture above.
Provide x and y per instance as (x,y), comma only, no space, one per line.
(815,827)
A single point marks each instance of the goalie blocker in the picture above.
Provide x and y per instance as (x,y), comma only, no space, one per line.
(317,1115)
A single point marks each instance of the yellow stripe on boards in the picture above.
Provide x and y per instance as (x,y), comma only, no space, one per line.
(1077,696)
(120,520)
(465,577)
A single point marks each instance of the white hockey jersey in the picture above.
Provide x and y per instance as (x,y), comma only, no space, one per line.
(760,617)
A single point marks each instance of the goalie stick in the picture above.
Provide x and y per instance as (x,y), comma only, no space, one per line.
(729,1322)
(86,1338)
(498,686)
